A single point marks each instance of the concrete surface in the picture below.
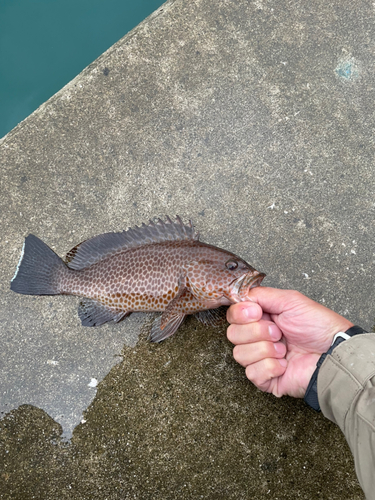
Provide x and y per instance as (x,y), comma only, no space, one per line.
(256,120)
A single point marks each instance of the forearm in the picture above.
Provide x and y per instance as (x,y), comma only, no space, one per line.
(346,392)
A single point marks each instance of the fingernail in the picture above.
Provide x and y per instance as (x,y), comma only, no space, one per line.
(279,348)
(283,362)
(274,332)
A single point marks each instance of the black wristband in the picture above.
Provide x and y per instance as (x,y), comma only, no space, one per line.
(311,395)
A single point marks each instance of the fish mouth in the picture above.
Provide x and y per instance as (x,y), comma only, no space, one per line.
(242,285)
(255,281)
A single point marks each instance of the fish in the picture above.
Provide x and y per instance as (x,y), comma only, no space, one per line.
(158,267)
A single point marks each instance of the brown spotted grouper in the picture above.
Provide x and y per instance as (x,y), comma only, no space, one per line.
(157,267)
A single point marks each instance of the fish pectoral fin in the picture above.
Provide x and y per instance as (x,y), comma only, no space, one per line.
(94,313)
(213,317)
(168,323)
(174,306)
(158,334)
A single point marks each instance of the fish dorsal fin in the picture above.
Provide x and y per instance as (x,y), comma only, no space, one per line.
(98,248)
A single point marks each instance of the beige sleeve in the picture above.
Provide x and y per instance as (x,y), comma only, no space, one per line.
(346,393)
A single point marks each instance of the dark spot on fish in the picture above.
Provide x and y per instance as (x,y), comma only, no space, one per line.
(105,71)
(201,213)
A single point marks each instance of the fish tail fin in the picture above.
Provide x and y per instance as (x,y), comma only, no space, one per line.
(39,270)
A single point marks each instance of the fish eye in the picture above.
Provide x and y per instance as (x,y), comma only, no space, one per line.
(231,265)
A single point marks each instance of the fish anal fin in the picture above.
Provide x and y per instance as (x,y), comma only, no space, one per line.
(94,313)
(157,334)
(213,317)
(121,315)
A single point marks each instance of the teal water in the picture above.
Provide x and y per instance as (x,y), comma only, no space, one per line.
(46,43)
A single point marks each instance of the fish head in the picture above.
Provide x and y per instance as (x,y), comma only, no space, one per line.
(240,288)
(223,277)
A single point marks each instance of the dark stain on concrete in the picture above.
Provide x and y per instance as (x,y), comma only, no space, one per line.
(178,420)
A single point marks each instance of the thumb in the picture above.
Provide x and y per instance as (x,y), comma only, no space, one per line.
(274,300)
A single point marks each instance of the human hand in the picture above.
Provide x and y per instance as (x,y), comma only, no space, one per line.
(279,337)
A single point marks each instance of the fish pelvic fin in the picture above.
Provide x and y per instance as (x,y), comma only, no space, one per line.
(94,313)
(157,334)
(213,317)
(39,270)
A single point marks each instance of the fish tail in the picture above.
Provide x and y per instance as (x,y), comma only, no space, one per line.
(39,270)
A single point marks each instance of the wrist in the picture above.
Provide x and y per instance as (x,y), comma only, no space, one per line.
(311,395)
(307,366)
(339,326)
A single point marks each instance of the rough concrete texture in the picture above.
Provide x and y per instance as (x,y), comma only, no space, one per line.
(256,120)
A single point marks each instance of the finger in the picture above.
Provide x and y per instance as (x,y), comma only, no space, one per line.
(266,316)
(274,300)
(264,373)
(247,354)
(253,332)
(244,312)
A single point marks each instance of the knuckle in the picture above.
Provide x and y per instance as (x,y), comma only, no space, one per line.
(237,353)
(229,314)
(295,296)
(271,367)
(257,378)
(250,373)
(231,333)
(255,329)
(266,350)
(232,313)
(268,365)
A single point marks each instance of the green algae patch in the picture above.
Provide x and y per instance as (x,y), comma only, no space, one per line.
(178,420)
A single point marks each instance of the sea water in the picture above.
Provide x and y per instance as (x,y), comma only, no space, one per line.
(46,43)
